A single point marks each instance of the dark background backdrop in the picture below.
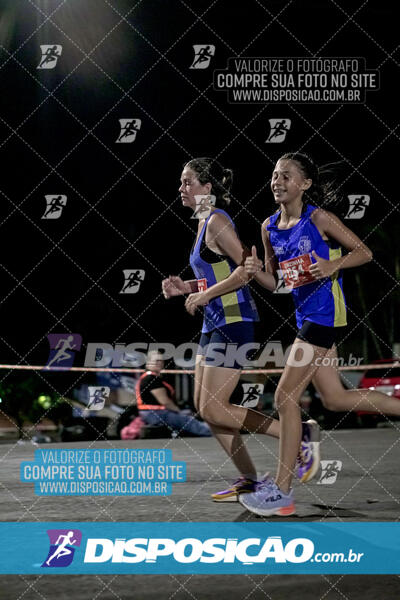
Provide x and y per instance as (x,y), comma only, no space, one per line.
(125,59)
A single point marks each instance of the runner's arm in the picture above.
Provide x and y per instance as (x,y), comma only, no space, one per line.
(254,265)
(175,286)
(358,253)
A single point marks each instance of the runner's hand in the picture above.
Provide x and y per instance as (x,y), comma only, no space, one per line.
(195,300)
(321,268)
(252,263)
(173,286)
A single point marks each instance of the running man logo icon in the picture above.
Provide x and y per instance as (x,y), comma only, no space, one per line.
(281,288)
(357,206)
(330,471)
(50,55)
(251,394)
(279,129)
(133,279)
(54,206)
(63,543)
(203,206)
(97,397)
(202,56)
(129,129)
(62,349)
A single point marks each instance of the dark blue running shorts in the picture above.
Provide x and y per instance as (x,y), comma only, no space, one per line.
(229,346)
(319,335)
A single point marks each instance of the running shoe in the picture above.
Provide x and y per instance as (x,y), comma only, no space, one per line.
(268,500)
(240,486)
(308,458)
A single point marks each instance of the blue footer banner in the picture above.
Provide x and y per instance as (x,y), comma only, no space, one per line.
(213,548)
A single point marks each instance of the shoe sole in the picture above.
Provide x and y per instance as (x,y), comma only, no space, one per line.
(284,511)
(226,499)
(233,498)
(310,474)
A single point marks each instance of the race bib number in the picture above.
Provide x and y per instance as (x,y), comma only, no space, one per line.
(296,272)
(201,285)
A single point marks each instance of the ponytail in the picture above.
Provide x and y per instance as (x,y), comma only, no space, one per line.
(323,191)
(209,170)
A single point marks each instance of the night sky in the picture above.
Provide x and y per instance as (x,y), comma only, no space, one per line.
(131,60)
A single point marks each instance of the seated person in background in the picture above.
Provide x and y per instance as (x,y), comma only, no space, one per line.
(155,401)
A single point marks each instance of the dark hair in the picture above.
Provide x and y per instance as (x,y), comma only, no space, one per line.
(323,190)
(209,170)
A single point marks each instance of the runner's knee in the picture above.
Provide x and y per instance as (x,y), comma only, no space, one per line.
(331,401)
(285,400)
(213,413)
(206,412)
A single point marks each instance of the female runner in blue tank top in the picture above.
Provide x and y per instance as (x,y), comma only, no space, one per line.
(303,239)
(217,259)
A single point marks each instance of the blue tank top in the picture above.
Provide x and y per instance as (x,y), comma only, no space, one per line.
(321,301)
(229,308)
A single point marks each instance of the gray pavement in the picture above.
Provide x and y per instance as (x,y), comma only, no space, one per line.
(367,489)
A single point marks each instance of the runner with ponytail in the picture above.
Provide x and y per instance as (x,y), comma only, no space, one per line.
(312,247)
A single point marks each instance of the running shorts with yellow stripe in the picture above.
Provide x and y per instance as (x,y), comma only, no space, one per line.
(320,301)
